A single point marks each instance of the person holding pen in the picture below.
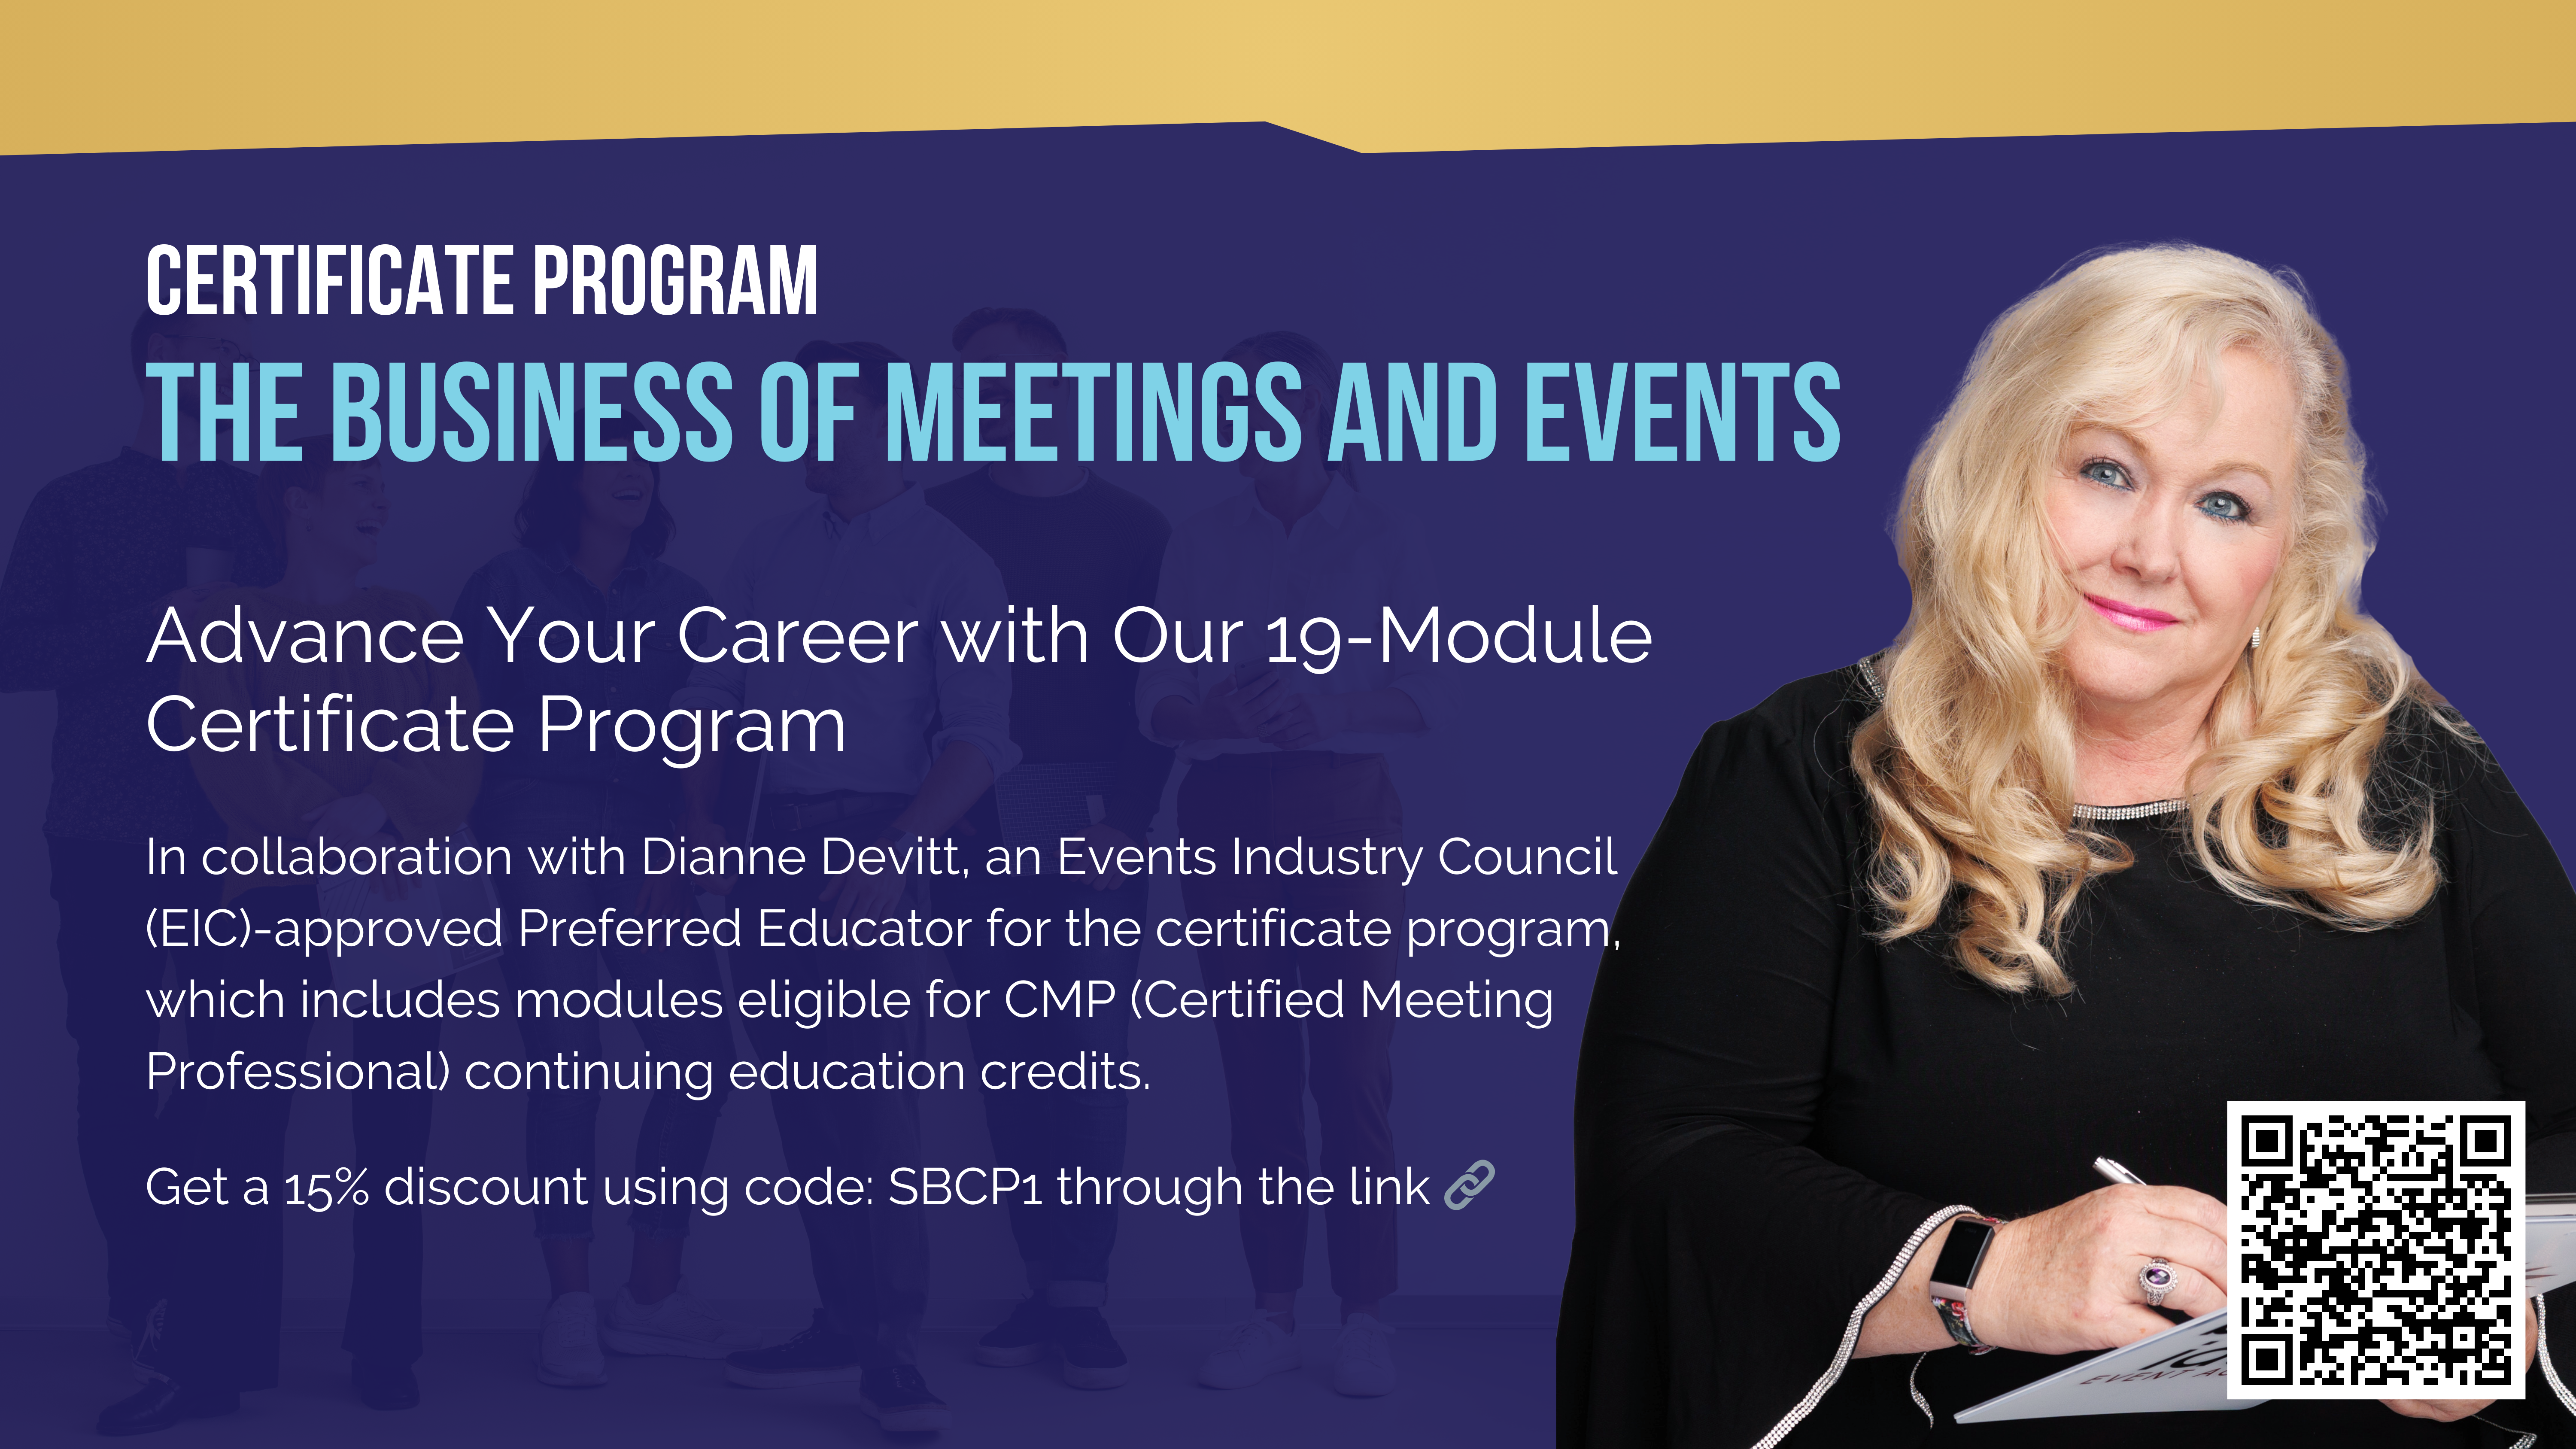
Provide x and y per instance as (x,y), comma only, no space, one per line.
(2139,815)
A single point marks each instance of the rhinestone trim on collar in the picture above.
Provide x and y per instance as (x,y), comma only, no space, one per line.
(2128,812)
(1878,691)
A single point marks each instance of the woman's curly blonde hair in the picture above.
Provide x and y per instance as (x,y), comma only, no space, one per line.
(1970,763)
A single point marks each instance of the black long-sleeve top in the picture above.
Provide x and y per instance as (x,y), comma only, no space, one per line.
(1092,554)
(1774,1109)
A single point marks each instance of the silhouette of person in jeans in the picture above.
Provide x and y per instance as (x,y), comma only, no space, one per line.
(327,787)
(100,555)
(591,536)
(1071,546)
(1280,755)
(902,746)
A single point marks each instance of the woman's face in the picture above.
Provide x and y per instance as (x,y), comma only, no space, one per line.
(346,516)
(617,495)
(2173,529)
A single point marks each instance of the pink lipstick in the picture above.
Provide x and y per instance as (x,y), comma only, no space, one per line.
(2132,617)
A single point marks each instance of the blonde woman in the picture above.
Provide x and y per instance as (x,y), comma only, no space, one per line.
(2139,815)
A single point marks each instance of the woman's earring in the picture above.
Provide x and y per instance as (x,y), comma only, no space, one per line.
(2258,638)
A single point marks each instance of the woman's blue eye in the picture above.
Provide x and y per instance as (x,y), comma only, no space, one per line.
(2105,472)
(2225,505)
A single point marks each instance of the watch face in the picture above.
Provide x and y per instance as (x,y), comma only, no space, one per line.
(1957,1265)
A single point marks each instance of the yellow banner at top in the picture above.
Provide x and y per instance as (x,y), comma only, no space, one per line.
(1371,75)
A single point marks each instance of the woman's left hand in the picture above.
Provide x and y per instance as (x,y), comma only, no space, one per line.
(2448,1410)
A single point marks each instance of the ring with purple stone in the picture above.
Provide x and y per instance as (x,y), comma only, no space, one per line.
(2158,1279)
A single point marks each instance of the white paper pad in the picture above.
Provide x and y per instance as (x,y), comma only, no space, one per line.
(2182,1368)
(2549,1237)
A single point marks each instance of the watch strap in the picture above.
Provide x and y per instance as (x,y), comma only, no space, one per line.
(1954,1317)
(1950,1300)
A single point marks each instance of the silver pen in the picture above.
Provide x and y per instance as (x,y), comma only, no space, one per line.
(2116,1173)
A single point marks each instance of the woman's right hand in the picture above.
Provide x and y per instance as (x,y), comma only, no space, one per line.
(2066,1280)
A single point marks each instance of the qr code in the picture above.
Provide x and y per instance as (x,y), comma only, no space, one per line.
(2377,1249)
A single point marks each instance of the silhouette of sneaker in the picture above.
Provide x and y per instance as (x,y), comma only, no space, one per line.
(568,1355)
(1363,1361)
(896,1396)
(1092,1357)
(1255,1349)
(160,1403)
(680,1326)
(138,1328)
(384,1385)
(138,1325)
(1019,1339)
(821,1354)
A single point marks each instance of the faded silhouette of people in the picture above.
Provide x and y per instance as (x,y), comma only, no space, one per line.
(905,745)
(1281,755)
(221,1335)
(1077,551)
(591,537)
(100,556)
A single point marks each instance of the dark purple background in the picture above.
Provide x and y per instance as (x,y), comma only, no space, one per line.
(2437,257)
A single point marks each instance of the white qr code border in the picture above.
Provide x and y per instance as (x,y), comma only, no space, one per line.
(2363,1327)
